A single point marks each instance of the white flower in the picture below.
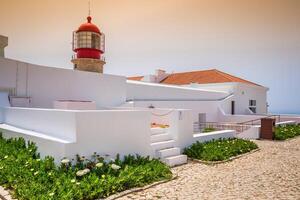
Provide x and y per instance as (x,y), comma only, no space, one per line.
(86,170)
(5,157)
(65,161)
(115,167)
(99,165)
(82,172)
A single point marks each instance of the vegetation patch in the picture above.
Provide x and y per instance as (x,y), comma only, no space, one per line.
(218,150)
(208,129)
(29,177)
(284,132)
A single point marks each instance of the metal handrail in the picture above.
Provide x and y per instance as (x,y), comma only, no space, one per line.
(258,119)
(222,126)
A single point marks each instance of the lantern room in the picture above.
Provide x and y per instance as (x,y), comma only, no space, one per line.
(89,46)
(88,41)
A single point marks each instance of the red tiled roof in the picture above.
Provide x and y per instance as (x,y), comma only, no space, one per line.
(201,77)
(135,78)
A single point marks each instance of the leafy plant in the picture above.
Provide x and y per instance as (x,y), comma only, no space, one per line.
(30,177)
(221,149)
(208,129)
(284,132)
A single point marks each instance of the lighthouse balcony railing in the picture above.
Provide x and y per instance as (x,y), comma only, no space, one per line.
(102,58)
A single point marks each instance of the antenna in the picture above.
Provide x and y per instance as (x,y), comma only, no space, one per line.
(89,8)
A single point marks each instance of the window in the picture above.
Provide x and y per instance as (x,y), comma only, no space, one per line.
(252,102)
(252,105)
(87,40)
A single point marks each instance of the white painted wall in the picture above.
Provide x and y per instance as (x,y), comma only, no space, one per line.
(45,146)
(56,123)
(196,107)
(111,132)
(242,93)
(181,128)
(245,92)
(251,133)
(137,90)
(46,84)
(81,132)
(203,137)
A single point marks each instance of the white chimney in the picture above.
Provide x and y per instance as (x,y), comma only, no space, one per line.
(160,75)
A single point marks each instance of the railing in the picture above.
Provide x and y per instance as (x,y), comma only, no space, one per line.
(258,120)
(102,58)
(239,128)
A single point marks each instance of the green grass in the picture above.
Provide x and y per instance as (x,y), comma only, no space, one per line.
(29,177)
(284,132)
(218,150)
(208,129)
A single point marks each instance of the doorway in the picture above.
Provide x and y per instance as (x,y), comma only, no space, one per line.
(232,107)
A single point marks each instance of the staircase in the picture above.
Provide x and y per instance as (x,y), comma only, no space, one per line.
(164,147)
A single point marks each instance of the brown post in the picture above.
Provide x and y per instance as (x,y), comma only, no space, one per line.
(267,129)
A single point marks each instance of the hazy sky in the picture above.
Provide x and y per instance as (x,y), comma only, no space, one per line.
(258,40)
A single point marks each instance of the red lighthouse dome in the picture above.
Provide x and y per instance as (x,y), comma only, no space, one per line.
(88,41)
(88,26)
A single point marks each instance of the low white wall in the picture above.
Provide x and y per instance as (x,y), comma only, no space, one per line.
(295,118)
(181,127)
(56,123)
(111,132)
(285,123)
(203,137)
(45,147)
(251,133)
(102,131)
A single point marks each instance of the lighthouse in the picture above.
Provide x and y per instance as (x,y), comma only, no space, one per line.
(89,46)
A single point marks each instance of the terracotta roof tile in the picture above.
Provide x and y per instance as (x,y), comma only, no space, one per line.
(135,78)
(201,77)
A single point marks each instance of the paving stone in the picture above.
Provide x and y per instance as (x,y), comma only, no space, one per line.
(271,173)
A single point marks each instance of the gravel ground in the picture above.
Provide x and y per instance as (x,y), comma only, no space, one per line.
(271,173)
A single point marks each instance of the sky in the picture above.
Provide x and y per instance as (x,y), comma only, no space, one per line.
(258,40)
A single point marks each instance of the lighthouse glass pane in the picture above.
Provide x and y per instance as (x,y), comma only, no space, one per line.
(95,41)
(102,42)
(87,40)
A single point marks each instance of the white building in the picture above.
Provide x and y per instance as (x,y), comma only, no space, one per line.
(247,97)
(81,111)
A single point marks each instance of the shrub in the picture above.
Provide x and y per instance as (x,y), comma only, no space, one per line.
(208,129)
(30,177)
(221,149)
(284,132)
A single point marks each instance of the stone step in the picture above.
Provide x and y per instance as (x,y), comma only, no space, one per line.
(162,145)
(175,151)
(175,160)
(160,137)
(158,130)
